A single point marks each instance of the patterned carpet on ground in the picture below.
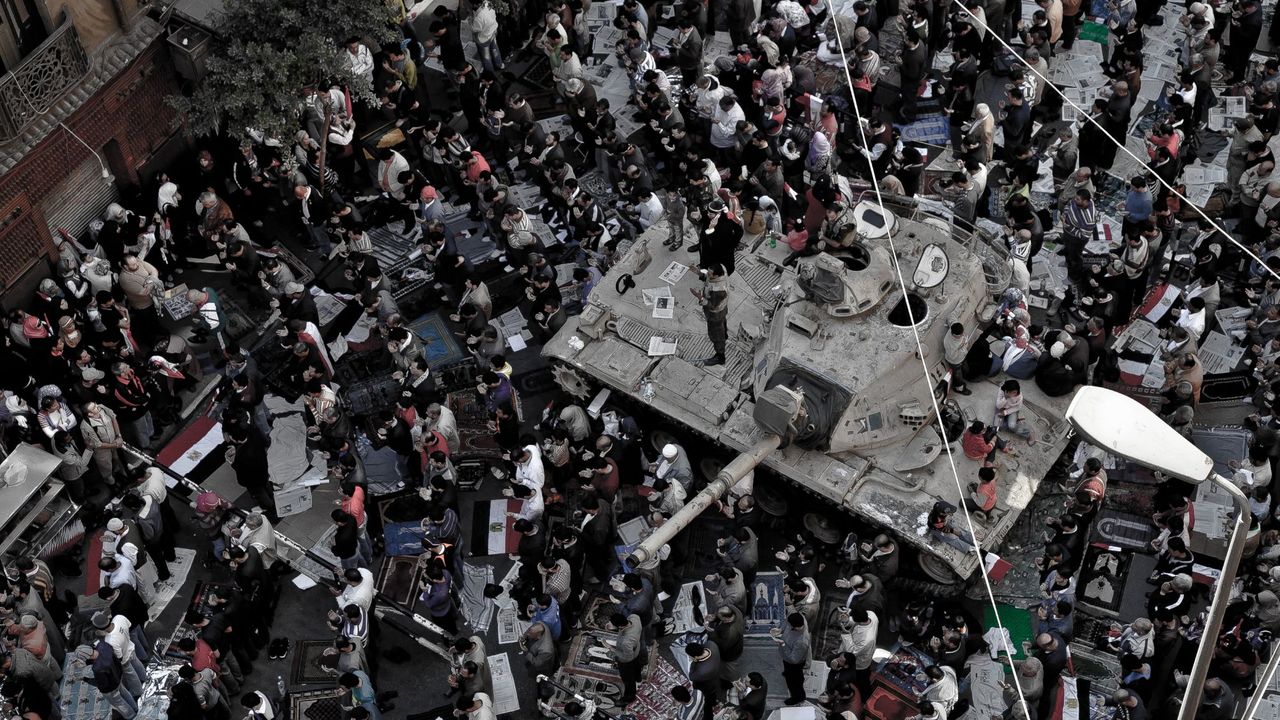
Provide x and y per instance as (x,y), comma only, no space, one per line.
(307,667)
(398,576)
(438,343)
(931,129)
(316,705)
(1127,530)
(1102,577)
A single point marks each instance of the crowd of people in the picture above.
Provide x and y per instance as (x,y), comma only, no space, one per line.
(730,147)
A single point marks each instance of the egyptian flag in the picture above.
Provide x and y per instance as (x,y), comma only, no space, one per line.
(1132,371)
(1073,700)
(1158,301)
(311,336)
(193,453)
(491,530)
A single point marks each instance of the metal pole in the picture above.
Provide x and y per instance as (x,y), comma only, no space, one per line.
(1264,681)
(575,695)
(728,476)
(1221,594)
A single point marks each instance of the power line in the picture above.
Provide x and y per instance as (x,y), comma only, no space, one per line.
(920,354)
(1089,118)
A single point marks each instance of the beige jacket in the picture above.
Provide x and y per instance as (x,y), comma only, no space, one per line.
(137,285)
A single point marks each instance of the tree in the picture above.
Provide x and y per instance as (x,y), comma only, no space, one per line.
(268,52)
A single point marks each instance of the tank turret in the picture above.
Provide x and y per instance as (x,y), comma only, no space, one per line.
(837,333)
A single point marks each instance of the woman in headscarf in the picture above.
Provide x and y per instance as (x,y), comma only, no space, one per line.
(39,336)
(818,160)
(1030,680)
(171,223)
(979,136)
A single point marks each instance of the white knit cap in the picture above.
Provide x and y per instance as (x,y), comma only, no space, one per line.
(669,451)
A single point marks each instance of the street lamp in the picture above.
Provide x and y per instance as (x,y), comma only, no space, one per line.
(1124,427)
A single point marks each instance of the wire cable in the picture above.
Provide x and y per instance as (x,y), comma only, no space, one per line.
(1090,119)
(924,366)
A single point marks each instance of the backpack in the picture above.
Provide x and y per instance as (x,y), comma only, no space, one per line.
(109,680)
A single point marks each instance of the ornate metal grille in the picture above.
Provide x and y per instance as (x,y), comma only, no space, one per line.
(58,65)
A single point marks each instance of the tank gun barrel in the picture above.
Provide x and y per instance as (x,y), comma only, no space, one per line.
(728,476)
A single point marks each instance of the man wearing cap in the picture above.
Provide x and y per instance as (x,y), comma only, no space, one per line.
(297,304)
(121,647)
(107,675)
(673,467)
(101,433)
(714,299)
(133,402)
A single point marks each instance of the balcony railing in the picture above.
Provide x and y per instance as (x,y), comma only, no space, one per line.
(44,76)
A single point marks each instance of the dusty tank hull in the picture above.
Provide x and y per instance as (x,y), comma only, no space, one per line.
(871,447)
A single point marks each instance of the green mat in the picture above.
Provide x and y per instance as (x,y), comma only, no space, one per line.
(1094,32)
(1017,621)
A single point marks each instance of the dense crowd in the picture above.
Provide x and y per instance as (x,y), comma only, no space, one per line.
(730,147)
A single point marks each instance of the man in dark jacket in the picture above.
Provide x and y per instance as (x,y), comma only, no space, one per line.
(599,535)
(688,51)
(913,70)
(247,455)
(718,240)
(108,676)
(346,541)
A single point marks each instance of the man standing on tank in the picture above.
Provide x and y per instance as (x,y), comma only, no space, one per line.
(714,299)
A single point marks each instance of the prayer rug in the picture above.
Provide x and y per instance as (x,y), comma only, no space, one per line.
(1016,620)
(1223,445)
(536,382)
(438,343)
(403,506)
(1226,390)
(1124,529)
(307,668)
(767,608)
(316,704)
(931,129)
(443,711)
(1102,576)
(403,538)
(398,577)
(588,655)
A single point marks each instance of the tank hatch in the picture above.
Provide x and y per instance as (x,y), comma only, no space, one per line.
(847,282)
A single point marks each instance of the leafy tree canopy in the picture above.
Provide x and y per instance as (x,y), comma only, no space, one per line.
(266,52)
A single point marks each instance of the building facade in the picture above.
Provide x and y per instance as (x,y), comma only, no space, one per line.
(83,112)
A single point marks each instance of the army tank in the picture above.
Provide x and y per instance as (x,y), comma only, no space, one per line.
(822,383)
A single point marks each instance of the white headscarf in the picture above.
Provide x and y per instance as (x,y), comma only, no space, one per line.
(168,196)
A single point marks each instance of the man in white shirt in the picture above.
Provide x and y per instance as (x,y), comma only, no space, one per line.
(529,468)
(648,208)
(476,706)
(724,124)
(484,27)
(359,59)
(943,690)
(1192,318)
(115,630)
(358,590)
(858,637)
(531,503)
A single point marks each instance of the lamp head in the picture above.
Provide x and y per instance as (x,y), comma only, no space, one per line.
(1122,426)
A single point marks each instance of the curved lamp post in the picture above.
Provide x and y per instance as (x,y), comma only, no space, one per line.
(1123,427)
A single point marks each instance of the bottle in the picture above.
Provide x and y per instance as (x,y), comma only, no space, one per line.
(280,686)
